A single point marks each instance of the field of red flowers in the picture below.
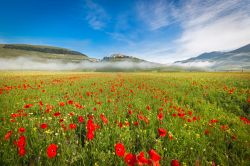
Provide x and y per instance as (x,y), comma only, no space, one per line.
(124,118)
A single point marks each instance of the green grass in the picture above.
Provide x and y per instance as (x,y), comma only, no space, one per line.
(200,96)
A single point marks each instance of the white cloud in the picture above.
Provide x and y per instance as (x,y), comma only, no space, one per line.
(155,14)
(97,17)
(212,25)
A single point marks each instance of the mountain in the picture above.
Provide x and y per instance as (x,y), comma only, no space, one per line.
(36,52)
(121,57)
(35,57)
(232,60)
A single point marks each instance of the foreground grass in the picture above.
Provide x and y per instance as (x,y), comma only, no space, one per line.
(205,116)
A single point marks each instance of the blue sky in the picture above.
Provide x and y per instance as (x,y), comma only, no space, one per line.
(156,30)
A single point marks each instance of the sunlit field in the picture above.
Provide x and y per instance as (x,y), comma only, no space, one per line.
(76,118)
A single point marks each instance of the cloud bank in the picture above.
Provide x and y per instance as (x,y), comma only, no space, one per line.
(24,63)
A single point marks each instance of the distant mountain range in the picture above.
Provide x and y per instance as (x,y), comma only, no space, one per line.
(232,60)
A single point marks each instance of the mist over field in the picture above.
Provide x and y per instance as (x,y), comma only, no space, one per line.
(24,63)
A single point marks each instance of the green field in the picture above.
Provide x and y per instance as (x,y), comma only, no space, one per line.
(74,118)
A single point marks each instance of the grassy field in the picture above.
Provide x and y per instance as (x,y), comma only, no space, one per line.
(124,118)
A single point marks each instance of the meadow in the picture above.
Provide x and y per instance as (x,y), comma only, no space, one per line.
(74,118)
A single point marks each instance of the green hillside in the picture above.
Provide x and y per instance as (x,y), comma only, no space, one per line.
(40,52)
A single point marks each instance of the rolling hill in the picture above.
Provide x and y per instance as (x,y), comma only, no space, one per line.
(40,53)
(232,60)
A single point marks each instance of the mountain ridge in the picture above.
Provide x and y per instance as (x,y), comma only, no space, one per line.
(235,59)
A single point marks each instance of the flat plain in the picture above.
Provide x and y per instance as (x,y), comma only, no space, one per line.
(81,118)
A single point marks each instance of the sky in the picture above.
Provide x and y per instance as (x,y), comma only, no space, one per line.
(161,31)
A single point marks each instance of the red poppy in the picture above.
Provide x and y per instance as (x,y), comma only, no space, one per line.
(28,105)
(90,135)
(70,102)
(214,121)
(162,132)
(120,149)
(141,159)
(21,130)
(90,125)
(130,112)
(104,119)
(72,126)
(148,107)
(160,116)
(80,119)
(51,150)
(61,104)
(175,163)
(154,155)
(206,132)
(57,114)
(21,151)
(43,126)
(130,159)
(7,135)
(21,142)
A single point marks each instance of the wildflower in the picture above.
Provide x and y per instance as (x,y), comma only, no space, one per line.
(162,132)
(51,150)
(43,126)
(141,159)
(90,135)
(21,143)
(57,114)
(21,130)
(154,155)
(7,135)
(148,107)
(160,116)
(28,105)
(130,159)
(80,119)
(70,102)
(21,151)
(175,163)
(120,149)
(61,104)
(104,119)
(72,126)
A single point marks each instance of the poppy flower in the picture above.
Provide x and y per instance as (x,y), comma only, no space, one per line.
(51,150)
(57,114)
(160,116)
(162,132)
(148,107)
(61,104)
(7,135)
(130,159)
(21,130)
(28,105)
(70,102)
(120,149)
(175,163)
(104,119)
(72,126)
(80,119)
(21,142)
(141,159)
(43,126)
(21,151)
(154,155)
(90,135)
